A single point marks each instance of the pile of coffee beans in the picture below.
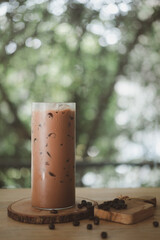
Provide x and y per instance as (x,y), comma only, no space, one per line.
(116,204)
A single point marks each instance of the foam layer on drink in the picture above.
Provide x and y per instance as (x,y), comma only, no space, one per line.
(53,157)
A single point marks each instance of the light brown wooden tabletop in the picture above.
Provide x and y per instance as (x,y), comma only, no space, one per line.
(12,230)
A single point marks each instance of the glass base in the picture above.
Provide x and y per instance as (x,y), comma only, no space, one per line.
(50,209)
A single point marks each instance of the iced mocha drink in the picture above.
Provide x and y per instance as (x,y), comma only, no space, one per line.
(53,155)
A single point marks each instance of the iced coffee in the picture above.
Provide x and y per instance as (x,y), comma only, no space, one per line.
(53,155)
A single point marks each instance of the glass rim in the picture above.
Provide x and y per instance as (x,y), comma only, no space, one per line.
(53,102)
(53,105)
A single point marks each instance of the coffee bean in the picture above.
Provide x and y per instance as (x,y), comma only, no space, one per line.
(84,203)
(51,226)
(155,223)
(80,205)
(54,211)
(76,223)
(91,217)
(104,235)
(89,205)
(121,201)
(89,226)
(96,220)
(116,200)
(106,208)
(124,206)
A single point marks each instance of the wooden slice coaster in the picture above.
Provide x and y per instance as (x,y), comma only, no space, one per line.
(23,211)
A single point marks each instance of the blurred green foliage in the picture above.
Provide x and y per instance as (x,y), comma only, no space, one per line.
(62,51)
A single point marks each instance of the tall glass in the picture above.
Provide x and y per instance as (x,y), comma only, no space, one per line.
(53,155)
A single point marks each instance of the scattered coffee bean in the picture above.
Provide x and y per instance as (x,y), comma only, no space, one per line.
(89,205)
(51,226)
(124,206)
(116,200)
(80,205)
(89,226)
(84,203)
(155,223)
(54,211)
(104,235)
(96,220)
(76,223)
(35,139)
(91,217)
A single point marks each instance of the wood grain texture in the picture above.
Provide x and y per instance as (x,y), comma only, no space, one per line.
(23,211)
(137,210)
(13,230)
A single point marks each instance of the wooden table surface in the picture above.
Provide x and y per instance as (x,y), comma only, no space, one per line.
(12,230)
